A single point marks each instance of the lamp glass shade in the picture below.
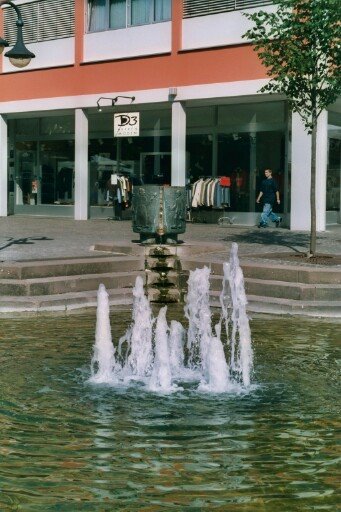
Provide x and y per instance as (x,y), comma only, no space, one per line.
(20,62)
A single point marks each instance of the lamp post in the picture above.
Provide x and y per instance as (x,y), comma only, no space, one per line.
(19,56)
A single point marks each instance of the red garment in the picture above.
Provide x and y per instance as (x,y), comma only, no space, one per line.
(225,181)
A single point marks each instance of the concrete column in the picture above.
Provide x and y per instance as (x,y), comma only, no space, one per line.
(3,167)
(178,144)
(300,176)
(81,165)
(321,170)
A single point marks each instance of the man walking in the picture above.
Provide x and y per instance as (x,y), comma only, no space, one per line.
(270,193)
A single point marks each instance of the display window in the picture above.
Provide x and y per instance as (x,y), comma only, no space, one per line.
(44,172)
(230,146)
(43,152)
(334,162)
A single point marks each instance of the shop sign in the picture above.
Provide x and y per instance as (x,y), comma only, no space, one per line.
(127,124)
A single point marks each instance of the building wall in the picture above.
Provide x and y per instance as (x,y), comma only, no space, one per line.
(136,58)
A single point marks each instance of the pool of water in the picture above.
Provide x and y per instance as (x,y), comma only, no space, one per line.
(66,445)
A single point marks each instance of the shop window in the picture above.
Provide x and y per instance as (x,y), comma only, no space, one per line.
(144,160)
(44,172)
(114,14)
(57,172)
(274,160)
(333,173)
(334,161)
(200,150)
(26,127)
(250,115)
(57,125)
(234,156)
(199,116)
(26,173)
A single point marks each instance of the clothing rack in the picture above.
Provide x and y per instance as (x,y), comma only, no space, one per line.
(210,192)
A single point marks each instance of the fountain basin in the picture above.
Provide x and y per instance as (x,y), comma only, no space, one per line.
(83,446)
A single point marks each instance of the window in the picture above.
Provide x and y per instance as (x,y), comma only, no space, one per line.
(43,20)
(194,8)
(113,14)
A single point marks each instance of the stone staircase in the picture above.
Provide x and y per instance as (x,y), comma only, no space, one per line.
(283,289)
(68,284)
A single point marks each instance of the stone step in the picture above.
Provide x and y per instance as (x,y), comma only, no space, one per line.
(70,267)
(282,290)
(275,272)
(63,303)
(276,306)
(67,284)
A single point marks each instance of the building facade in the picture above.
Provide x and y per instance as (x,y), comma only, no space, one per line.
(185,68)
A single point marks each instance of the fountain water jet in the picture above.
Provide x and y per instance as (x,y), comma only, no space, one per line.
(233,301)
(139,335)
(159,357)
(161,377)
(103,360)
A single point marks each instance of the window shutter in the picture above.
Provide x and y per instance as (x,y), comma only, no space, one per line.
(43,20)
(194,8)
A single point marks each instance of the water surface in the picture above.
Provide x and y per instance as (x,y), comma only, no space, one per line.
(68,446)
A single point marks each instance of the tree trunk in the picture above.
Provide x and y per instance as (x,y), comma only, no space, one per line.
(312,249)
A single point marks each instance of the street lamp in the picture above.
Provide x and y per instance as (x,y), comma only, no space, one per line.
(19,56)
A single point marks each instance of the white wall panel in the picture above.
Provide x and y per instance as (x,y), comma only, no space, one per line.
(234,91)
(128,42)
(48,54)
(216,29)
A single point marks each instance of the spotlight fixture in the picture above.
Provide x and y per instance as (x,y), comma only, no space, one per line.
(172,93)
(112,100)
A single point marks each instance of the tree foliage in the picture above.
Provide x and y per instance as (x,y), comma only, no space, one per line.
(299,44)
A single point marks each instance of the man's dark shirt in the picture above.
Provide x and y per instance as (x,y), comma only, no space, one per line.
(269,188)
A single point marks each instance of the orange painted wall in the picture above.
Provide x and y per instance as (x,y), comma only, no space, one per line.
(176,69)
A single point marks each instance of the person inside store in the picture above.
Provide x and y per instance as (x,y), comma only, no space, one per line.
(115,194)
(269,194)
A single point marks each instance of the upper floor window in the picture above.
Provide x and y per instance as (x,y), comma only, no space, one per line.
(43,20)
(194,8)
(106,14)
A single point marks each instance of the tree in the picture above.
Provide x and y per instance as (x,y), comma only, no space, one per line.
(299,44)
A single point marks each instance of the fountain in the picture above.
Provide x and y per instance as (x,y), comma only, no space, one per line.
(157,427)
(161,357)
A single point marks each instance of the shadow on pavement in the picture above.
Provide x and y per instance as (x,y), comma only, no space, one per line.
(24,241)
(263,237)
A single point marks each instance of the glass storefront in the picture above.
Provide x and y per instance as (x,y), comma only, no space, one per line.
(334,166)
(139,160)
(43,159)
(237,141)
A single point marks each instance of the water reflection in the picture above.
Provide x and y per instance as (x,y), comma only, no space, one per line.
(67,446)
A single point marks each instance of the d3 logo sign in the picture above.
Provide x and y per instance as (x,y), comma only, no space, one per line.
(127,124)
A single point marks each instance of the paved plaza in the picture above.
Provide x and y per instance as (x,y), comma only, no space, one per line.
(36,238)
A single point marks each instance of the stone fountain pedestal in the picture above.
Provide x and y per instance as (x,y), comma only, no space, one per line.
(165,279)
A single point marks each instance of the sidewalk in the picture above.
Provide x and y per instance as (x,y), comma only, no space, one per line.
(38,238)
